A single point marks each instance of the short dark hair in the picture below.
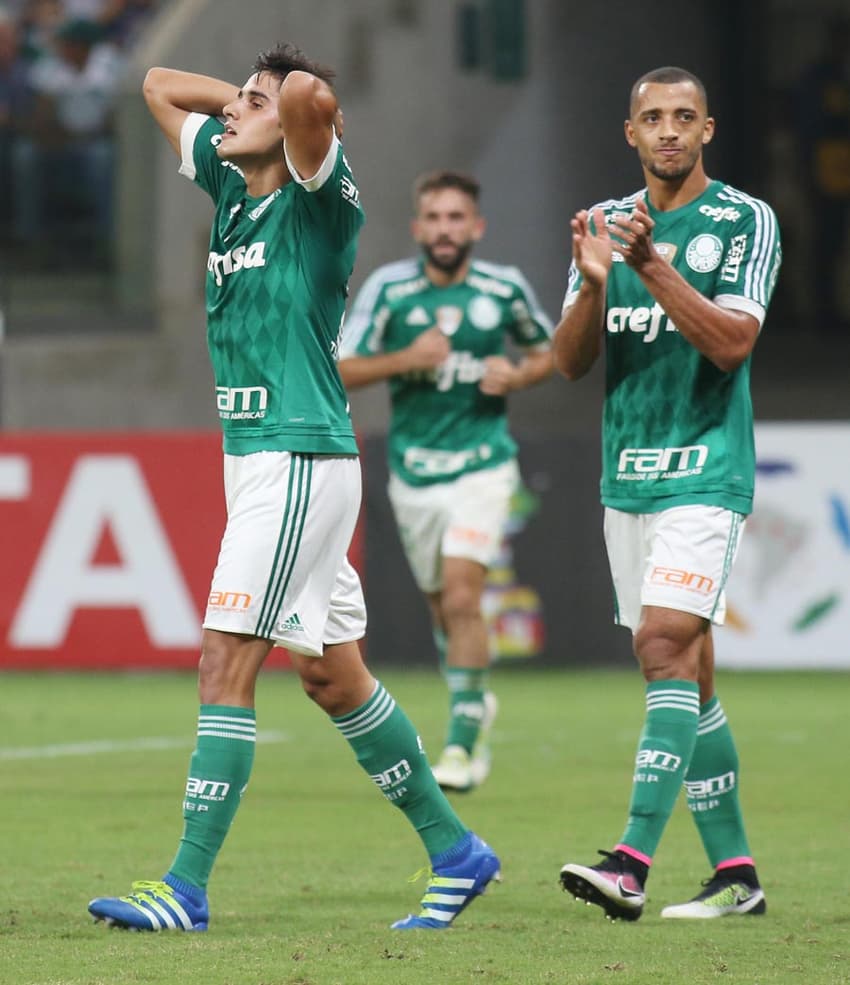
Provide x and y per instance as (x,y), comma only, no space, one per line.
(668,75)
(285,58)
(434,181)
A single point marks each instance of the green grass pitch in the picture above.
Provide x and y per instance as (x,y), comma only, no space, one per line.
(315,867)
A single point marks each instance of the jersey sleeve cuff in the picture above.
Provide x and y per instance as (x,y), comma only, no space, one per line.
(738,303)
(188,133)
(325,169)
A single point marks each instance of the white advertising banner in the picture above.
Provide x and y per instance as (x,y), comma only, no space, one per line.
(789,592)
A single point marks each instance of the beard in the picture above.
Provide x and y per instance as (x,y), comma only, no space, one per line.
(448,263)
(671,174)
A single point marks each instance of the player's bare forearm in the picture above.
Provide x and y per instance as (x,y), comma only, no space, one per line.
(578,337)
(171,95)
(359,371)
(308,111)
(533,368)
(723,336)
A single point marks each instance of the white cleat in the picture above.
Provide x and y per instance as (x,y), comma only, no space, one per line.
(453,771)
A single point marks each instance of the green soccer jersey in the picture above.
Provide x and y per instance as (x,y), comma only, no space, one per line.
(277,277)
(676,429)
(442,425)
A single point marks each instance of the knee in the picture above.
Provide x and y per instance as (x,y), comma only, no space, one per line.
(215,667)
(665,652)
(321,688)
(228,669)
(460,602)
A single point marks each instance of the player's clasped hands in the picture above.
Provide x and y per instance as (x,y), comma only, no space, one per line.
(633,235)
(429,349)
(499,376)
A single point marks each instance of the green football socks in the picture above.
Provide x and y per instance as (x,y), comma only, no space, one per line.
(466,708)
(711,785)
(664,754)
(441,645)
(218,774)
(387,747)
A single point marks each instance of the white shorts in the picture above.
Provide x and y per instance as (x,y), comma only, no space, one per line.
(282,571)
(463,518)
(676,559)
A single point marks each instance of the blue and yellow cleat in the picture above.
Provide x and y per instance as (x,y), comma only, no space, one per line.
(153,906)
(453,886)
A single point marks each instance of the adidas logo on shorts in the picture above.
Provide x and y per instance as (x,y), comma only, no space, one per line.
(292,624)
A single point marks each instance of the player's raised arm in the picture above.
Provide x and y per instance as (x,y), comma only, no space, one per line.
(578,337)
(723,335)
(308,112)
(171,95)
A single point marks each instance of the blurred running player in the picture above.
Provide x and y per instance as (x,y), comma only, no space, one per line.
(435,327)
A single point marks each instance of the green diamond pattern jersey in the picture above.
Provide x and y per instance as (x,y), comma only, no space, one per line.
(442,425)
(277,280)
(676,429)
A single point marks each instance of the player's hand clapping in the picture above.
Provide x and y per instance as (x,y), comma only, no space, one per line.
(633,236)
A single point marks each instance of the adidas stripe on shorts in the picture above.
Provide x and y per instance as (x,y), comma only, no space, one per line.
(676,559)
(283,572)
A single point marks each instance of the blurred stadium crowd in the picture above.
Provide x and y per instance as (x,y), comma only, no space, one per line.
(61,63)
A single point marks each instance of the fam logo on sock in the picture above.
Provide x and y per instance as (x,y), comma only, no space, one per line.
(390,780)
(655,759)
(703,794)
(214,790)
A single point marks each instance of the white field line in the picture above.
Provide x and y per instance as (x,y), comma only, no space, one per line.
(96,748)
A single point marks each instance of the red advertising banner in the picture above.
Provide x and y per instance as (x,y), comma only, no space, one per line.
(108,543)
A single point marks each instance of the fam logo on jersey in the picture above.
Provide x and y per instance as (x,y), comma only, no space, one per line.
(703,253)
(222,265)
(241,403)
(645,464)
(349,191)
(484,313)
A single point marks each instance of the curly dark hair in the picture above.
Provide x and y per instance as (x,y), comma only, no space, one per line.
(285,58)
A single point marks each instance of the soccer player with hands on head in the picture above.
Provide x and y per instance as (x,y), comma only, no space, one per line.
(282,246)
(673,282)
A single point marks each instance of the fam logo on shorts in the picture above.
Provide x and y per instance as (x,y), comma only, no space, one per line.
(703,253)
(229,601)
(679,578)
